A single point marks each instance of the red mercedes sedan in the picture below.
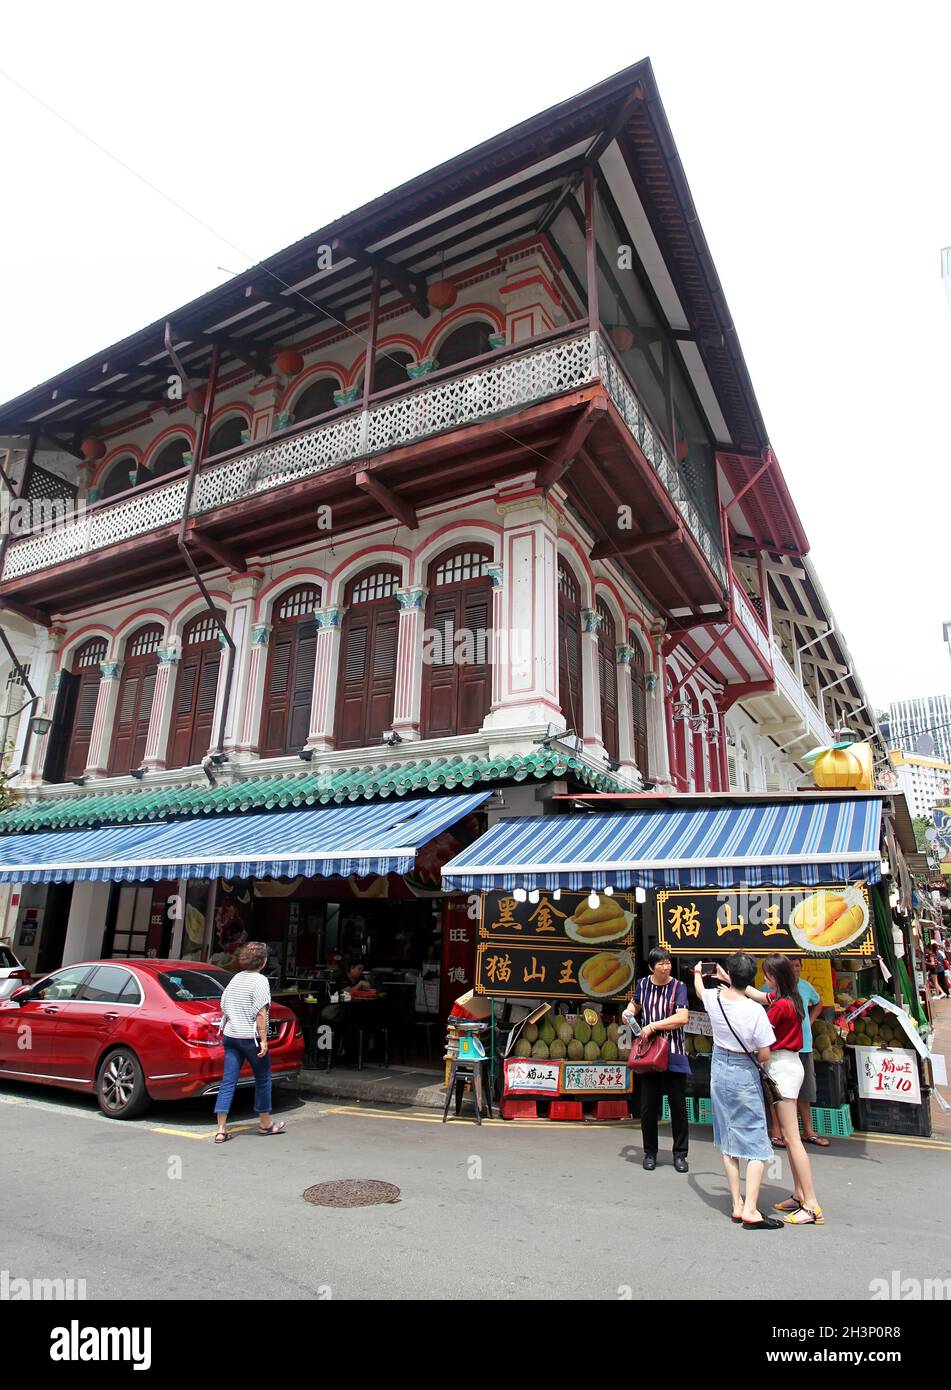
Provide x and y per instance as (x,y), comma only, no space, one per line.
(131,1031)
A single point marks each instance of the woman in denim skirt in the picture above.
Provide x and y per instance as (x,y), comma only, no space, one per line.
(736,1091)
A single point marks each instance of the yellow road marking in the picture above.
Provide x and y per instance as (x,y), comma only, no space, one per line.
(178,1133)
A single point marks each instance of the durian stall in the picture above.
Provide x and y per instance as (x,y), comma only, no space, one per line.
(570,903)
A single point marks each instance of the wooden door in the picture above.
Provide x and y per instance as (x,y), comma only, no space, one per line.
(457,680)
(607,680)
(367,675)
(569,648)
(195,693)
(134,706)
(289,683)
(639,708)
(85,665)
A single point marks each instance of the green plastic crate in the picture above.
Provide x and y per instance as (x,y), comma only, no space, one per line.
(699,1110)
(831,1124)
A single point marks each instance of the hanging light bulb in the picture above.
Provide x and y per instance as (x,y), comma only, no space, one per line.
(639,895)
(893,897)
(519,895)
(533,896)
(609,892)
(594,901)
(557,895)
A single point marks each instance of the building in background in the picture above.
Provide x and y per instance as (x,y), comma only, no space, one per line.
(922,726)
(926,782)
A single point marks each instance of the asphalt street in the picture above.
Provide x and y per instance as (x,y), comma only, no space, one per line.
(153,1209)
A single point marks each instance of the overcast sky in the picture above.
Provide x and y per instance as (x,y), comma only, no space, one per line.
(815,138)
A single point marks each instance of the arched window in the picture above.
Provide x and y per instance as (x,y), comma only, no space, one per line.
(607,679)
(316,399)
(367,676)
(569,647)
(389,369)
(457,676)
(227,435)
(134,707)
(469,340)
(75,713)
(169,458)
(289,684)
(117,479)
(639,737)
(195,692)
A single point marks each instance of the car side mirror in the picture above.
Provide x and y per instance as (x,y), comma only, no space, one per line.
(20,995)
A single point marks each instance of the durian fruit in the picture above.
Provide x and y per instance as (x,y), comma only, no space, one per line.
(599,1033)
(523,1048)
(530,1033)
(613,1031)
(546,1032)
(591,1051)
(703,1045)
(609,1051)
(575,1050)
(540,1049)
(558,1049)
(582,1031)
(565,1033)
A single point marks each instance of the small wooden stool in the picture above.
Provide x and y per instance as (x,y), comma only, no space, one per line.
(476,1071)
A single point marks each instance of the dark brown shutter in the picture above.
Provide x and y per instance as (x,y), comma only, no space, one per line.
(86,700)
(475,675)
(302,691)
(350,719)
(124,732)
(457,682)
(184,709)
(569,653)
(367,674)
(639,709)
(382,686)
(607,681)
(203,726)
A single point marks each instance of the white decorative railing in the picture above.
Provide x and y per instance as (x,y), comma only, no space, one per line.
(654,450)
(792,687)
(500,386)
(749,620)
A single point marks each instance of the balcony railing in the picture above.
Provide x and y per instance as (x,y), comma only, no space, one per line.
(506,382)
(789,684)
(750,620)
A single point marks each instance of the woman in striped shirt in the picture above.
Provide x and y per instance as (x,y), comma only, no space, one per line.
(659,1003)
(244,1008)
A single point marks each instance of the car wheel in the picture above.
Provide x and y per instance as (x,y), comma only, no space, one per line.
(120,1085)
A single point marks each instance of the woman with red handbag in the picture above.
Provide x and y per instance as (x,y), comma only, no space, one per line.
(658,1057)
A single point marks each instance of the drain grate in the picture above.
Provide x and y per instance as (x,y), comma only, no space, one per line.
(351,1192)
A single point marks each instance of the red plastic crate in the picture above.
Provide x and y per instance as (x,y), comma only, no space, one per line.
(519,1109)
(610,1110)
(566,1110)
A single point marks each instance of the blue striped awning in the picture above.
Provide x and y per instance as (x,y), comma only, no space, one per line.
(367,838)
(808,842)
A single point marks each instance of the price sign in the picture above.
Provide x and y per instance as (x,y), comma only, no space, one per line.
(888,1075)
(596,1078)
(526,1077)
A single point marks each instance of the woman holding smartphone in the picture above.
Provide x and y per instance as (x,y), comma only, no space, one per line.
(659,1003)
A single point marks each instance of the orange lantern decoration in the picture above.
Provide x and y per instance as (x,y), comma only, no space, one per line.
(622,337)
(842,768)
(442,294)
(92,449)
(289,361)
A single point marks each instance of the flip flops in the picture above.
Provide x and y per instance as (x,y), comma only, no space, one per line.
(816,1140)
(222,1137)
(273,1129)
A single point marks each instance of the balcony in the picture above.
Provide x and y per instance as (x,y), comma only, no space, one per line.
(508,382)
(797,702)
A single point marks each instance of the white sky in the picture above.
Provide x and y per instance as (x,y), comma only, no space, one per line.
(815,138)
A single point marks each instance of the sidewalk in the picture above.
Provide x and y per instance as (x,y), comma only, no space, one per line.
(408,1086)
(941,1122)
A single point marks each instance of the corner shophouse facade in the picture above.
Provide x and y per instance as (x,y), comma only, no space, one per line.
(477,464)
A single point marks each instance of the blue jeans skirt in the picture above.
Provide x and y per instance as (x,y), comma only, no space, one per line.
(237,1051)
(739,1111)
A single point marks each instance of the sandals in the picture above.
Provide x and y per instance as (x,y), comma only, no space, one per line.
(815,1139)
(222,1137)
(777,1143)
(805,1216)
(790,1204)
(768,1223)
(273,1129)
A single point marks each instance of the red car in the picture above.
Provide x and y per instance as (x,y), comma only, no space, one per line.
(131,1031)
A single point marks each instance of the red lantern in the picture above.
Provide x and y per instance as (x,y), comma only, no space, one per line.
(288,361)
(442,294)
(92,449)
(622,338)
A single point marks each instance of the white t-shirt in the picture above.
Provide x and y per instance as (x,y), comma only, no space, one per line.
(753,1028)
(248,993)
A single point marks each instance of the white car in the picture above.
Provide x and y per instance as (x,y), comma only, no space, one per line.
(12,973)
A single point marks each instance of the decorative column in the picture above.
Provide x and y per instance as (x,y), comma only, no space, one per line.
(659,724)
(160,720)
(590,684)
(525,611)
(103,719)
(323,706)
(244,588)
(496,573)
(265,398)
(254,690)
(407,701)
(529,296)
(625,714)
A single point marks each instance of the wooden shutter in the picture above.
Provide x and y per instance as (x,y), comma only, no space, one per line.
(384,636)
(302,689)
(134,705)
(607,681)
(195,692)
(440,674)
(86,666)
(289,683)
(639,709)
(207,689)
(457,693)
(64,712)
(277,690)
(350,717)
(569,649)
(367,674)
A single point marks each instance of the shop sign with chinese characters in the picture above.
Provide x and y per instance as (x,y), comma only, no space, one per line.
(538,972)
(503,918)
(532,1078)
(596,1078)
(718,921)
(891,1075)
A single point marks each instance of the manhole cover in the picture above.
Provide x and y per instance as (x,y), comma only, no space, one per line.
(351,1192)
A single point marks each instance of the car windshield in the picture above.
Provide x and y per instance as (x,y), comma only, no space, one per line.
(187,984)
(8,960)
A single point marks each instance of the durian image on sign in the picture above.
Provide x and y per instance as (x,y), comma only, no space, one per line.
(606,974)
(830,918)
(606,922)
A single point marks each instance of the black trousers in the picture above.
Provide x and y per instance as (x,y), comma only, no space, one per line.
(651,1086)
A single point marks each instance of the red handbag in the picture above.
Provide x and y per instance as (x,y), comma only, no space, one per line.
(649,1054)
